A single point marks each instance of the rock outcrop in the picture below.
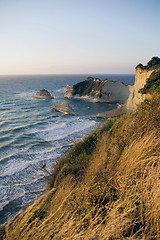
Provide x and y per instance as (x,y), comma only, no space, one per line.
(90,88)
(142,74)
(97,90)
(68,88)
(114,92)
(63,108)
(135,97)
(43,94)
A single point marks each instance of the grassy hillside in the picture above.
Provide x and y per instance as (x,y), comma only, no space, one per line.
(106,187)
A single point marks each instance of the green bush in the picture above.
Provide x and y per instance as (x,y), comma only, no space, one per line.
(153,63)
(152,83)
(87,87)
(2,232)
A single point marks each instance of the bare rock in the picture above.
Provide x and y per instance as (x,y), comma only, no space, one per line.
(97,90)
(68,88)
(43,94)
(63,108)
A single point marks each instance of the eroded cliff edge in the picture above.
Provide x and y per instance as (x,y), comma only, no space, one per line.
(97,90)
(142,75)
(135,97)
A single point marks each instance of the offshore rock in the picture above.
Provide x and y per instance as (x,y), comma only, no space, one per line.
(68,88)
(63,108)
(43,94)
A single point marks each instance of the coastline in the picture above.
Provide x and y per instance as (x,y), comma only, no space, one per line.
(36,133)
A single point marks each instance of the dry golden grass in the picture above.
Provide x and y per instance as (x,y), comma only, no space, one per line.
(118,195)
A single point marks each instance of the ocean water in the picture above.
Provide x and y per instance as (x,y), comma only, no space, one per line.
(32,135)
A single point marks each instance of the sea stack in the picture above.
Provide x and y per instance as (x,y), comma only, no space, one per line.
(43,94)
(64,108)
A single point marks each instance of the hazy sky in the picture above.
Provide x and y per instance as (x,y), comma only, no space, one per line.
(77,36)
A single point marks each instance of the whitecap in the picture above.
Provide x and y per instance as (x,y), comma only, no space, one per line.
(62,130)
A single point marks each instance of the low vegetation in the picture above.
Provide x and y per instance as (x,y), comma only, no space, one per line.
(152,64)
(105,188)
(152,84)
(77,159)
(2,232)
(90,87)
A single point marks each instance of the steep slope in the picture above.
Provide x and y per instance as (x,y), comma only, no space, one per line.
(142,74)
(140,79)
(106,187)
(109,91)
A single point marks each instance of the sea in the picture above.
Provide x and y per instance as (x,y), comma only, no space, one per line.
(33,137)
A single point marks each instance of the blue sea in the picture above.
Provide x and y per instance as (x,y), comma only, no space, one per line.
(31,134)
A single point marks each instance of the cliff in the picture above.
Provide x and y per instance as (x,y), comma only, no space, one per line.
(106,187)
(143,73)
(135,96)
(99,91)
(109,91)
(114,92)
(90,88)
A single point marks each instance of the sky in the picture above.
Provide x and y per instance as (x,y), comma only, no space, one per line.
(77,36)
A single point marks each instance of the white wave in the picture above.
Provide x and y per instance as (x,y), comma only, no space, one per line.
(14,166)
(9,194)
(26,94)
(13,153)
(21,184)
(3,204)
(62,130)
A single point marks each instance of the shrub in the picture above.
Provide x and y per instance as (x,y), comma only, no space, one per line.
(153,63)
(2,232)
(152,83)
(87,87)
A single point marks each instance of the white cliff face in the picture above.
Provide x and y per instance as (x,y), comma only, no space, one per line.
(140,80)
(108,92)
(114,92)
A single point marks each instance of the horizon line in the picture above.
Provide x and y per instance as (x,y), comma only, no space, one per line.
(39,74)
